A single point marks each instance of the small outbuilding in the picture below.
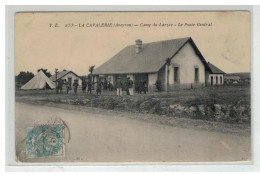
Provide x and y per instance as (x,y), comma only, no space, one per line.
(215,77)
(69,76)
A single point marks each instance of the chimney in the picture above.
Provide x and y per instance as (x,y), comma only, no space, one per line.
(138,46)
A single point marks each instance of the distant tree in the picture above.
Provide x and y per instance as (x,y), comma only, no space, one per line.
(23,77)
(45,71)
(91,69)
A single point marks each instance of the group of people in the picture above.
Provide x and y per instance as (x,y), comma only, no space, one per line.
(64,82)
(129,84)
(87,86)
(141,86)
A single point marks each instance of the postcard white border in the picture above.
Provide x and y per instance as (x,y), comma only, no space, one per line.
(11,165)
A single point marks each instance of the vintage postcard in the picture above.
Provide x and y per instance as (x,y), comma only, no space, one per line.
(132,87)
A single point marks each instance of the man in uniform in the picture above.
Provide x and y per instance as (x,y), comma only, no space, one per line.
(119,85)
(158,85)
(140,86)
(99,87)
(60,84)
(67,86)
(89,83)
(130,86)
(75,86)
(105,84)
(144,84)
(84,86)
(110,86)
(127,86)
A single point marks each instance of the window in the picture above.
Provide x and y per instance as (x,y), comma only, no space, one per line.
(221,80)
(176,74)
(196,74)
(216,79)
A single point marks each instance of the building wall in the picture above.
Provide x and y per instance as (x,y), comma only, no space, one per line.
(73,77)
(152,77)
(207,78)
(215,77)
(187,60)
(162,77)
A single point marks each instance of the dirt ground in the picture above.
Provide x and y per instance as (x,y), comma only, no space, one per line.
(182,122)
(121,134)
(113,136)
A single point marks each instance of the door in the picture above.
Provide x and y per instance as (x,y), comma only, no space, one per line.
(176,76)
(141,78)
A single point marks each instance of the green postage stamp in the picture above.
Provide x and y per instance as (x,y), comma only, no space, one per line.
(44,141)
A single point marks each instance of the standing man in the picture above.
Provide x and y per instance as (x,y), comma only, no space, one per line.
(137,86)
(84,86)
(144,86)
(158,85)
(89,86)
(67,86)
(119,85)
(60,84)
(110,86)
(130,86)
(127,86)
(105,84)
(99,87)
(75,86)
(140,86)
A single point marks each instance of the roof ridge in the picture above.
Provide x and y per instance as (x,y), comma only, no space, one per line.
(161,41)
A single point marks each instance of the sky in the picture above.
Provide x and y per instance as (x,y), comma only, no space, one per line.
(225,41)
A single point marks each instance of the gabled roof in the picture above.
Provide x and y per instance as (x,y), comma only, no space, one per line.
(39,81)
(150,59)
(61,74)
(214,69)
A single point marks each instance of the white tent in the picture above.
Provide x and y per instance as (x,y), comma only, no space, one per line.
(39,81)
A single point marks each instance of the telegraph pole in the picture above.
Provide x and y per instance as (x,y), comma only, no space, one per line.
(168,62)
(56,75)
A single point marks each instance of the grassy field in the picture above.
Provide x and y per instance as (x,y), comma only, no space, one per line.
(230,104)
